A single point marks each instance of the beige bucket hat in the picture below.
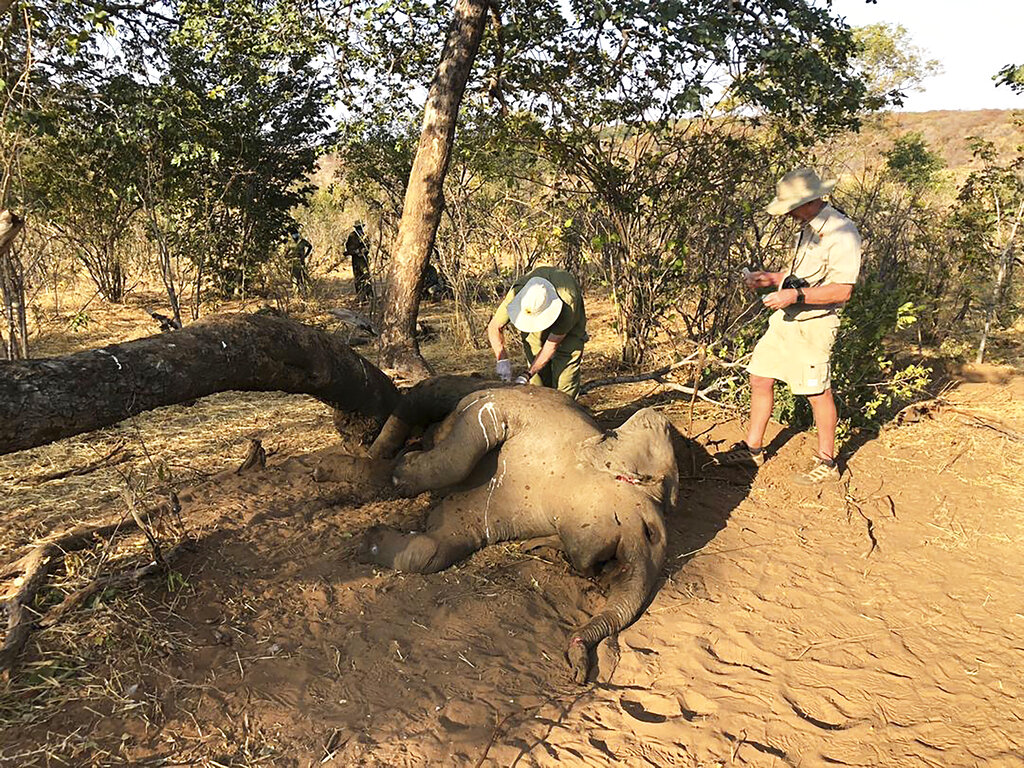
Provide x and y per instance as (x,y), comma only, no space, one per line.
(796,188)
(536,307)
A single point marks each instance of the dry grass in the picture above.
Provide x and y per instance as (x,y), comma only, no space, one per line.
(171,447)
(77,666)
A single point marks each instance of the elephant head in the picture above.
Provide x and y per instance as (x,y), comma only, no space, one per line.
(639,452)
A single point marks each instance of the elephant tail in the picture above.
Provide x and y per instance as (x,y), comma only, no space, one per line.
(641,555)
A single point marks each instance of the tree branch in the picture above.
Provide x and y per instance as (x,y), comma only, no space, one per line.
(44,400)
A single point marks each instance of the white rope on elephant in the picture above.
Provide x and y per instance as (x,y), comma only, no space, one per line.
(489,408)
(473,402)
(495,483)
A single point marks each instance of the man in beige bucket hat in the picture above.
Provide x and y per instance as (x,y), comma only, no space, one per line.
(546,306)
(807,300)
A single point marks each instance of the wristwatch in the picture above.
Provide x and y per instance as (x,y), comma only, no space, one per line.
(800,296)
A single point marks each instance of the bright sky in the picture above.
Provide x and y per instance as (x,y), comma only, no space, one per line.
(973,40)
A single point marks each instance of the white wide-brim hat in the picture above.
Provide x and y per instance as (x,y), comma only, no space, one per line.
(796,188)
(536,307)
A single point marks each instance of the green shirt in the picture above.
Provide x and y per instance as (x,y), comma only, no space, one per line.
(572,320)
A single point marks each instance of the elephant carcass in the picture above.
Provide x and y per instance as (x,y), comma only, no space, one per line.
(597,495)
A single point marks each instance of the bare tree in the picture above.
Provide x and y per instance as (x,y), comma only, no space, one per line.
(1003,266)
(424,197)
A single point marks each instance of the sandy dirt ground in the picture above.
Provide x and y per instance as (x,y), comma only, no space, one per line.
(877,622)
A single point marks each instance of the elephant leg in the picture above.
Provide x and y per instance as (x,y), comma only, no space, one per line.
(391,438)
(554,542)
(419,552)
(429,402)
(456,528)
(477,427)
(339,468)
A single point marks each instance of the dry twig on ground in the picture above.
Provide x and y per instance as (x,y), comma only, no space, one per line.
(929,409)
(117,456)
(700,358)
(35,568)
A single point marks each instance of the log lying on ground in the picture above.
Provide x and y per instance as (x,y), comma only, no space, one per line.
(46,400)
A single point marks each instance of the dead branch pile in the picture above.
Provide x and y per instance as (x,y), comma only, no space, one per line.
(29,574)
(931,409)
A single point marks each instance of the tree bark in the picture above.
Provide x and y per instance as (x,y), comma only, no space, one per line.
(46,400)
(12,288)
(424,196)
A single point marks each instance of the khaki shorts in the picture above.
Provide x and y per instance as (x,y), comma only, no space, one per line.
(797,352)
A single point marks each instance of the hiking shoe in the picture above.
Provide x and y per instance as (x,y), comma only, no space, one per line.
(821,471)
(740,455)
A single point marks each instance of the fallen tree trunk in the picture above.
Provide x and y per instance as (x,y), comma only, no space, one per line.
(46,400)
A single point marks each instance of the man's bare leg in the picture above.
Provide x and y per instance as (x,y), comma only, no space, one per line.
(762,399)
(825,419)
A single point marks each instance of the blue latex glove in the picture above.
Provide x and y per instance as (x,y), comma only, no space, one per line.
(504,369)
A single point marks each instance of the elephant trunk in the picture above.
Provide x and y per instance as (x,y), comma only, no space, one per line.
(625,601)
(622,607)
(642,555)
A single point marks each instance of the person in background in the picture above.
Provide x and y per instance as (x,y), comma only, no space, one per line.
(357,249)
(434,285)
(546,306)
(807,300)
(299,252)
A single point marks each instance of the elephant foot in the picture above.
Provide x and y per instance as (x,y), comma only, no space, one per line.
(579,659)
(403,476)
(372,474)
(411,552)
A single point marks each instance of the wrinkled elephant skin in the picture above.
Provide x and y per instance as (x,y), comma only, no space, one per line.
(598,496)
(428,402)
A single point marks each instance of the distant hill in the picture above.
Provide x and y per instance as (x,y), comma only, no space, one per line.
(946,133)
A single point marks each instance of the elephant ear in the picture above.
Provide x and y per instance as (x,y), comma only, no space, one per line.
(638,452)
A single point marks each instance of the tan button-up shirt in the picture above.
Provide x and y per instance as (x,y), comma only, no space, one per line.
(828,250)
